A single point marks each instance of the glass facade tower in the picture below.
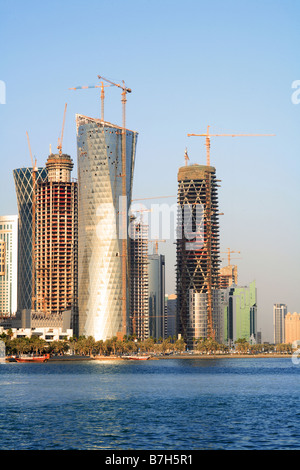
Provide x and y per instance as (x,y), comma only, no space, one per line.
(23,185)
(100,203)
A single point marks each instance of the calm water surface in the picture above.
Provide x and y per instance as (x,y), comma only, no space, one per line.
(173,404)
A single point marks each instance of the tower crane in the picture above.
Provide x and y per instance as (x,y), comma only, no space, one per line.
(207,216)
(60,139)
(34,171)
(156,242)
(102,86)
(208,137)
(125,90)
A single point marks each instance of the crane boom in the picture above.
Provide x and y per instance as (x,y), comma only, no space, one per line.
(102,86)
(208,136)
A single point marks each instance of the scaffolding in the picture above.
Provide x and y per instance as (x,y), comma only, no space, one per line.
(138,262)
(197,265)
(56,239)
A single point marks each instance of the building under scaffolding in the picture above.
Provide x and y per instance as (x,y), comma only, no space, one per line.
(56,250)
(198,311)
(138,279)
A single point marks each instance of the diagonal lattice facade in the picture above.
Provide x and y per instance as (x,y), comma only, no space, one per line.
(99,151)
(197,262)
(23,185)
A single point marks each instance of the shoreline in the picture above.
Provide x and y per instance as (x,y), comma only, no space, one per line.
(67,358)
(204,356)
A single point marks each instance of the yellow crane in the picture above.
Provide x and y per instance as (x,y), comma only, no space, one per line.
(208,137)
(228,252)
(60,139)
(102,86)
(156,242)
(207,216)
(125,90)
(34,171)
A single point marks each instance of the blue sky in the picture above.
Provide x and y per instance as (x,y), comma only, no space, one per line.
(225,63)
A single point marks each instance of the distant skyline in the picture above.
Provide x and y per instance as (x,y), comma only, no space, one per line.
(230,64)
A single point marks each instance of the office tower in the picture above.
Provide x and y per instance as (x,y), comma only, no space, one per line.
(170,316)
(8,269)
(197,252)
(56,244)
(156,273)
(292,328)
(23,185)
(279,313)
(101,204)
(138,279)
(240,312)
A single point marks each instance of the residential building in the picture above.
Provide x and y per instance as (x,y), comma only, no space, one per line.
(8,264)
(56,241)
(292,328)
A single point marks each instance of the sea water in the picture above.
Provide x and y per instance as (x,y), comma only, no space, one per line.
(167,404)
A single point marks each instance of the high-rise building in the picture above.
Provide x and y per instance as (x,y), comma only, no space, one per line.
(24,184)
(170,315)
(228,276)
(138,279)
(240,312)
(156,277)
(56,241)
(8,269)
(102,279)
(292,328)
(279,313)
(197,252)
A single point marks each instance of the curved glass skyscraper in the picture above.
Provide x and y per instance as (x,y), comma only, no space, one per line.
(23,185)
(99,151)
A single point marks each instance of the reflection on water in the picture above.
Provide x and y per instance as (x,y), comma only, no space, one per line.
(165,404)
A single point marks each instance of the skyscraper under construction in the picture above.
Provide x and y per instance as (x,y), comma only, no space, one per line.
(197,253)
(138,263)
(56,241)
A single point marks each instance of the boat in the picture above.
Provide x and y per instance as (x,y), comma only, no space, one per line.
(136,358)
(43,358)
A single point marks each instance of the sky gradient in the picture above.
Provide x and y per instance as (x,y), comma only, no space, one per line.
(229,64)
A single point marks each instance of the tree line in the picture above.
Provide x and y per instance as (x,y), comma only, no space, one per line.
(88,346)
